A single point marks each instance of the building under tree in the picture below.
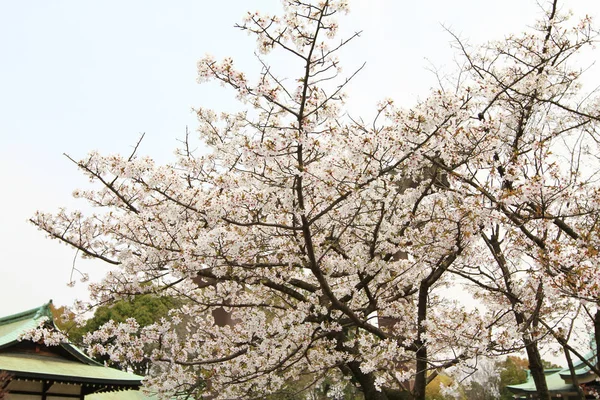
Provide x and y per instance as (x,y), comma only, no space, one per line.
(63,372)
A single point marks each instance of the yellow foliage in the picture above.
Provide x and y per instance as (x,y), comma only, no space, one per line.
(433,390)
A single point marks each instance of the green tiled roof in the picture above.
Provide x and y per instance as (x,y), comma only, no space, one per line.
(14,325)
(581,369)
(123,395)
(74,367)
(43,367)
(558,380)
(553,380)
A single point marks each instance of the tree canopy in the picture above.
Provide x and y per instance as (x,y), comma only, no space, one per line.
(145,309)
(333,245)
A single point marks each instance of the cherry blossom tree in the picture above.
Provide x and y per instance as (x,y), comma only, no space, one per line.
(331,244)
(540,187)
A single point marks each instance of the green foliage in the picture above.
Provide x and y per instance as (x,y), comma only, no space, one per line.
(512,371)
(146,309)
(549,365)
(477,391)
(493,377)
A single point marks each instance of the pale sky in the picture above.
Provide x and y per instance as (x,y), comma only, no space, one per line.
(80,75)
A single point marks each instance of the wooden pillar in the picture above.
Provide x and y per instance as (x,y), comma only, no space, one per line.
(45,387)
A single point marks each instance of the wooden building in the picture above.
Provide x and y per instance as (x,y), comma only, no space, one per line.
(560,383)
(62,372)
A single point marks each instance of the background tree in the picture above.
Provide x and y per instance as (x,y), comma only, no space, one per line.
(537,186)
(512,371)
(492,376)
(484,382)
(146,309)
(332,242)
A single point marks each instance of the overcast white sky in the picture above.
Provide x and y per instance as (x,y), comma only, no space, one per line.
(79,75)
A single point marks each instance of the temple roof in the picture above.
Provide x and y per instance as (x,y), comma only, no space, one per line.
(582,371)
(13,326)
(559,379)
(553,379)
(32,366)
(123,395)
(62,363)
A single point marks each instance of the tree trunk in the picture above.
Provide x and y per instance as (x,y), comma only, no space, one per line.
(421,354)
(367,382)
(597,335)
(580,394)
(536,368)
(533,355)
